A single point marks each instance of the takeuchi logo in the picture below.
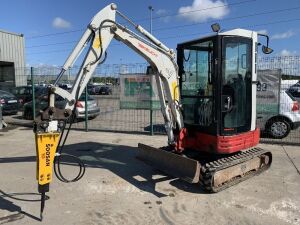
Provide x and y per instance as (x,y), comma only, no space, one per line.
(147,50)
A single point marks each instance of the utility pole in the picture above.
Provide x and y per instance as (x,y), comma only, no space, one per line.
(151,84)
(151,10)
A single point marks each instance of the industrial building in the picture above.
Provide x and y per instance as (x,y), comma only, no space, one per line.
(12,60)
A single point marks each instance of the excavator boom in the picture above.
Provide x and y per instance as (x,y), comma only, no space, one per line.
(103,28)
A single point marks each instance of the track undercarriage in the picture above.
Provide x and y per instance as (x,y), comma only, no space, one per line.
(213,174)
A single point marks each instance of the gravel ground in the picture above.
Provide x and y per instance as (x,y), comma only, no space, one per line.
(119,189)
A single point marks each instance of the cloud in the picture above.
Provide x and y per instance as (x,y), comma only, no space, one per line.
(286,52)
(161,12)
(60,23)
(202,10)
(262,31)
(284,35)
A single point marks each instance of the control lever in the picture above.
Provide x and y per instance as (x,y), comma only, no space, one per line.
(227,107)
(227,103)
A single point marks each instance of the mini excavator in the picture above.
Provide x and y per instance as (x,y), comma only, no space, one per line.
(207,98)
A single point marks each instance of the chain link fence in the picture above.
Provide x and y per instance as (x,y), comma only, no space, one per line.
(277,94)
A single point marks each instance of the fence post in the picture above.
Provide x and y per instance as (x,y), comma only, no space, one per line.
(86,109)
(151,120)
(151,110)
(33,92)
(1,122)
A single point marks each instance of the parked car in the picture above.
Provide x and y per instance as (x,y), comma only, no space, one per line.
(105,90)
(278,125)
(288,118)
(277,109)
(93,89)
(99,90)
(93,108)
(9,103)
(42,104)
(66,86)
(294,90)
(24,93)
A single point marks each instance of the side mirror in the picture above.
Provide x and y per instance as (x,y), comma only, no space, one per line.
(216,27)
(266,50)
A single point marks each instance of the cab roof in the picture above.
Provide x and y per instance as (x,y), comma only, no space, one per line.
(234,32)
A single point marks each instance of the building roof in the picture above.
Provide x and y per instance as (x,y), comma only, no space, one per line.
(12,33)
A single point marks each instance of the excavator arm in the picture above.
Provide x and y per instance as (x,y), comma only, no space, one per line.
(99,33)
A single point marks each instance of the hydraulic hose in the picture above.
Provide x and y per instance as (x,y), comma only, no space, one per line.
(59,153)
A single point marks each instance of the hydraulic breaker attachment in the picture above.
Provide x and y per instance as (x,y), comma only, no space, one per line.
(170,163)
(46,145)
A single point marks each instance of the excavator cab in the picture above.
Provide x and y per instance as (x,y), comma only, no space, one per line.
(217,82)
(218,89)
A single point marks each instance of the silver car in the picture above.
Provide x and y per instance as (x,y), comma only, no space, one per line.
(288,117)
(42,103)
(92,107)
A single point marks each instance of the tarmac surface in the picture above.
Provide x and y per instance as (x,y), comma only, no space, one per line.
(119,189)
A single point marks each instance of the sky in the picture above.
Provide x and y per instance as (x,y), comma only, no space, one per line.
(52,28)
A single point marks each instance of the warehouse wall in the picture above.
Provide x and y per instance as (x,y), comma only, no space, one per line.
(12,60)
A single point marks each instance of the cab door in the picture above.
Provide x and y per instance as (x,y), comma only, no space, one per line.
(196,66)
(236,85)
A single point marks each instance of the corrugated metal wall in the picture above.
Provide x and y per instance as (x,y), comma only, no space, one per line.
(12,51)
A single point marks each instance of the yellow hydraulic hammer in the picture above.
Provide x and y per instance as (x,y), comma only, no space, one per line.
(46,146)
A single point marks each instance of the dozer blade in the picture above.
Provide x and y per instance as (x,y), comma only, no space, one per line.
(170,163)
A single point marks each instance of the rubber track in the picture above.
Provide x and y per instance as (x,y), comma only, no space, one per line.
(209,169)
